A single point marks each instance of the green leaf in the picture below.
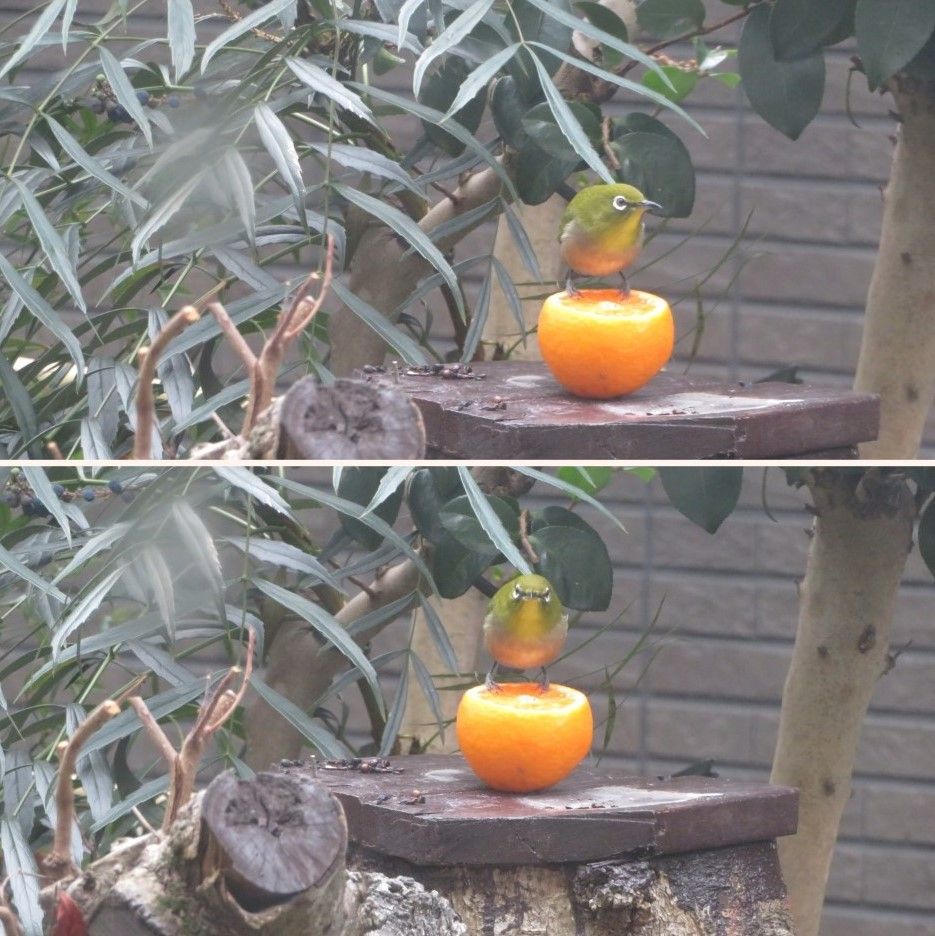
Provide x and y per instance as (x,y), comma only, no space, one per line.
(456,567)
(79,611)
(92,769)
(163,212)
(360,486)
(707,496)
(242,26)
(238,186)
(394,719)
(94,446)
(199,544)
(9,561)
(285,556)
(508,109)
(143,794)
(390,484)
(491,521)
(365,160)
(22,406)
(409,231)
(42,488)
(800,28)
(427,685)
(681,83)
(320,737)
(405,15)
(604,18)
(280,147)
(93,546)
(590,480)
(568,123)
(326,625)
(20,868)
(402,343)
(478,319)
(428,491)
(665,18)
(320,81)
(125,92)
(52,244)
(890,33)
(787,95)
(41,309)
(181,35)
(575,560)
(476,82)
(439,635)
(660,166)
(523,244)
(571,490)
(926,536)
(39,28)
(457,30)
(250,484)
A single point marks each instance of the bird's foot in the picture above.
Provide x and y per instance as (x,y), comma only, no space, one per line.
(570,287)
(544,681)
(490,684)
(625,289)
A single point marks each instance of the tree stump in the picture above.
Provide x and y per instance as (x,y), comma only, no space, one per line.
(599,854)
(260,856)
(350,419)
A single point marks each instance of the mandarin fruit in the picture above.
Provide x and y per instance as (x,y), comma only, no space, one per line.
(603,343)
(519,738)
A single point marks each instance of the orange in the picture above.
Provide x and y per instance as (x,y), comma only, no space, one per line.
(601,343)
(519,738)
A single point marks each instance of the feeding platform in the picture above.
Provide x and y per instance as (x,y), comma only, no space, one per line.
(597,851)
(517,410)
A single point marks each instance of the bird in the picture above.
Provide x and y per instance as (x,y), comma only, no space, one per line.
(602,231)
(525,627)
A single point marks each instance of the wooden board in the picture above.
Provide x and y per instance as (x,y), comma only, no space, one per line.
(437,812)
(518,411)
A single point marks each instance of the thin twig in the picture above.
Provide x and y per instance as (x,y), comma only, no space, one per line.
(531,554)
(55,451)
(143,821)
(149,359)
(154,730)
(58,862)
(608,149)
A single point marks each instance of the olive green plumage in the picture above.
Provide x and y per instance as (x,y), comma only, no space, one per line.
(525,626)
(601,230)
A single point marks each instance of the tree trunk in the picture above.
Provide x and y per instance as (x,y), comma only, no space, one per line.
(897,354)
(861,538)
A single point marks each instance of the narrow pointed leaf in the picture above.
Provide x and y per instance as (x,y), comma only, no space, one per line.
(242,26)
(80,611)
(480,78)
(42,488)
(200,546)
(181,35)
(285,556)
(365,160)
(9,561)
(478,320)
(405,14)
(249,483)
(456,31)
(316,78)
(572,491)
(125,92)
(439,635)
(492,524)
(389,484)
(20,868)
(92,770)
(280,147)
(161,214)
(41,26)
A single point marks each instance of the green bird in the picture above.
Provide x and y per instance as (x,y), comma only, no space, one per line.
(525,627)
(602,231)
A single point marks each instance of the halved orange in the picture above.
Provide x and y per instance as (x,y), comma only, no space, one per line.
(603,343)
(519,738)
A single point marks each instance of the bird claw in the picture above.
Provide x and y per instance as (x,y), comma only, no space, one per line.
(544,681)
(490,685)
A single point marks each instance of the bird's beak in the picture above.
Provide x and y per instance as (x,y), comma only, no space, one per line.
(650,206)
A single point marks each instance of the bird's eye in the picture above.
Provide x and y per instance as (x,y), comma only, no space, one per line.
(517,593)
(621,203)
(547,594)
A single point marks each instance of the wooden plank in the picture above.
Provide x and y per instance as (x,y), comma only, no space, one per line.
(516,410)
(436,812)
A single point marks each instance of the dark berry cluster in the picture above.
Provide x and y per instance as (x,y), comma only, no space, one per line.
(17,494)
(104,101)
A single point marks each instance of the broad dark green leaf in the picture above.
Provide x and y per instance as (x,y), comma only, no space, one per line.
(590,479)
(890,33)
(508,108)
(576,562)
(546,158)
(360,485)
(428,491)
(660,166)
(456,567)
(786,95)
(439,92)
(680,83)
(707,496)
(496,519)
(664,18)
(800,28)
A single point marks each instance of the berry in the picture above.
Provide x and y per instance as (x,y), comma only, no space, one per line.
(97,105)
(172,100)
(115,486)
(142,96)
(119,114)
(59,489)
(88,494)
(40,509)
(11,499)
(29,506)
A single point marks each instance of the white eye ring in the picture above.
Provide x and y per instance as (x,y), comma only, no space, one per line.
(621,203)
(517,593)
